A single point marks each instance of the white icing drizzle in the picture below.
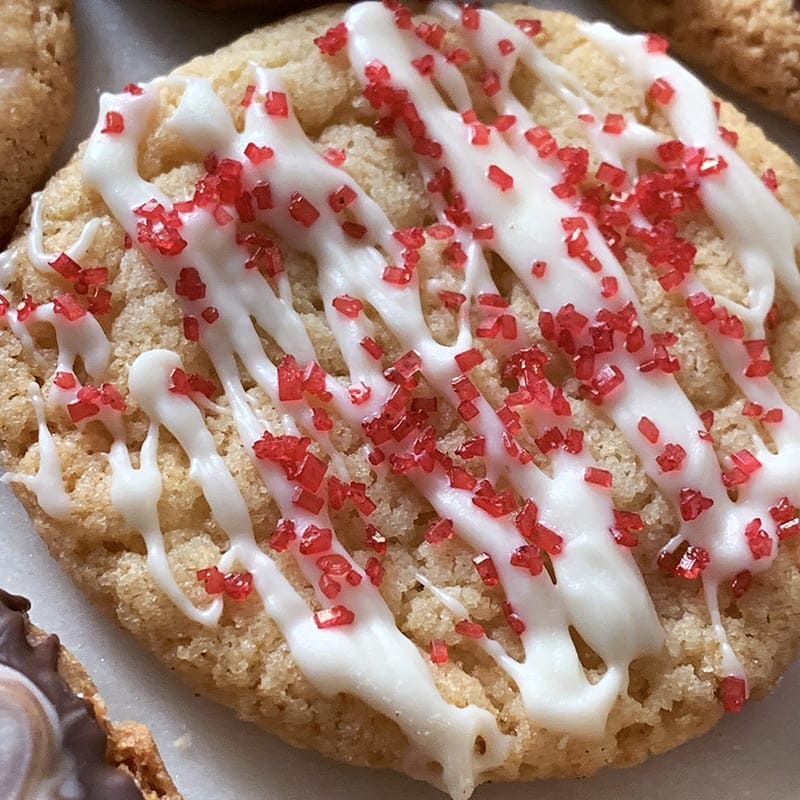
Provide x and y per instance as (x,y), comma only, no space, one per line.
(48,483)
(33,762)
(38,256)
(598,589)
(765,247)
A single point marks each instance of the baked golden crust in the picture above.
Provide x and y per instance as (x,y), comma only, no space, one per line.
(752,45)
(37,45)
(244,661)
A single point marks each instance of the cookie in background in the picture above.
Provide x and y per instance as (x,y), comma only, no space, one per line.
(751,45)
(38,60)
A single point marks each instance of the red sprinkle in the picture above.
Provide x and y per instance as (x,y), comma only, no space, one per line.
(473,630)
(599,477)
(276,104)
(649,430)
(114,123)
(438,651)
(500,178)
(661,91)
(348,306)
(333,40)
(732,693)
(302,210)
(334,617)
(486,569)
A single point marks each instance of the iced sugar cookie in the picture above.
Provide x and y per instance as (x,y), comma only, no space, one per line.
(57,741)
(752,45)
(424,388)
(37,70)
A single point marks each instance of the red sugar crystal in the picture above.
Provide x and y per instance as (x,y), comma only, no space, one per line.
(65,267)
(189,284)
(114,123)
(530,27)
(490,82)
(375,540)
(656,44)
(304,499)
(732,693)
(472,630)
(302,210)
(472,448)
(438,651)
(329,586)
(359,393)
(693,503)
(505,46)
(65,380)
(213,580)
(133,89)
(538,269)
(439,531)
(741,582)
(469,359)
(290,385)
(527,557)
(191,329)
(671,458)
(770,180)
(611,175)
(599,477)
(249,94)
(758,540)
(661,91)
(470,18)
(258,155)
(649,430)
(375,571)
(341,198)
(500,178)
(514,620)
(334,617)
(541,138)
(238,585)
(284,534)
(614,124)
(67,306)
(348,306)
(315,540)
(276,104)
(263,196)
(609,286)
(333,40)
(486,569)
(692,562)
(372,347)
(452,300)
(774,415)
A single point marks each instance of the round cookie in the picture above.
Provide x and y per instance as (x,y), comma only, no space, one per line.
(313,296)
(751,45)
(38,59)
(58,720)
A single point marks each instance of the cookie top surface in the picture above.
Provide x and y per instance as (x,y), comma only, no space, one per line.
(38,60)
(386,408)
(54,744)
(751,45)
